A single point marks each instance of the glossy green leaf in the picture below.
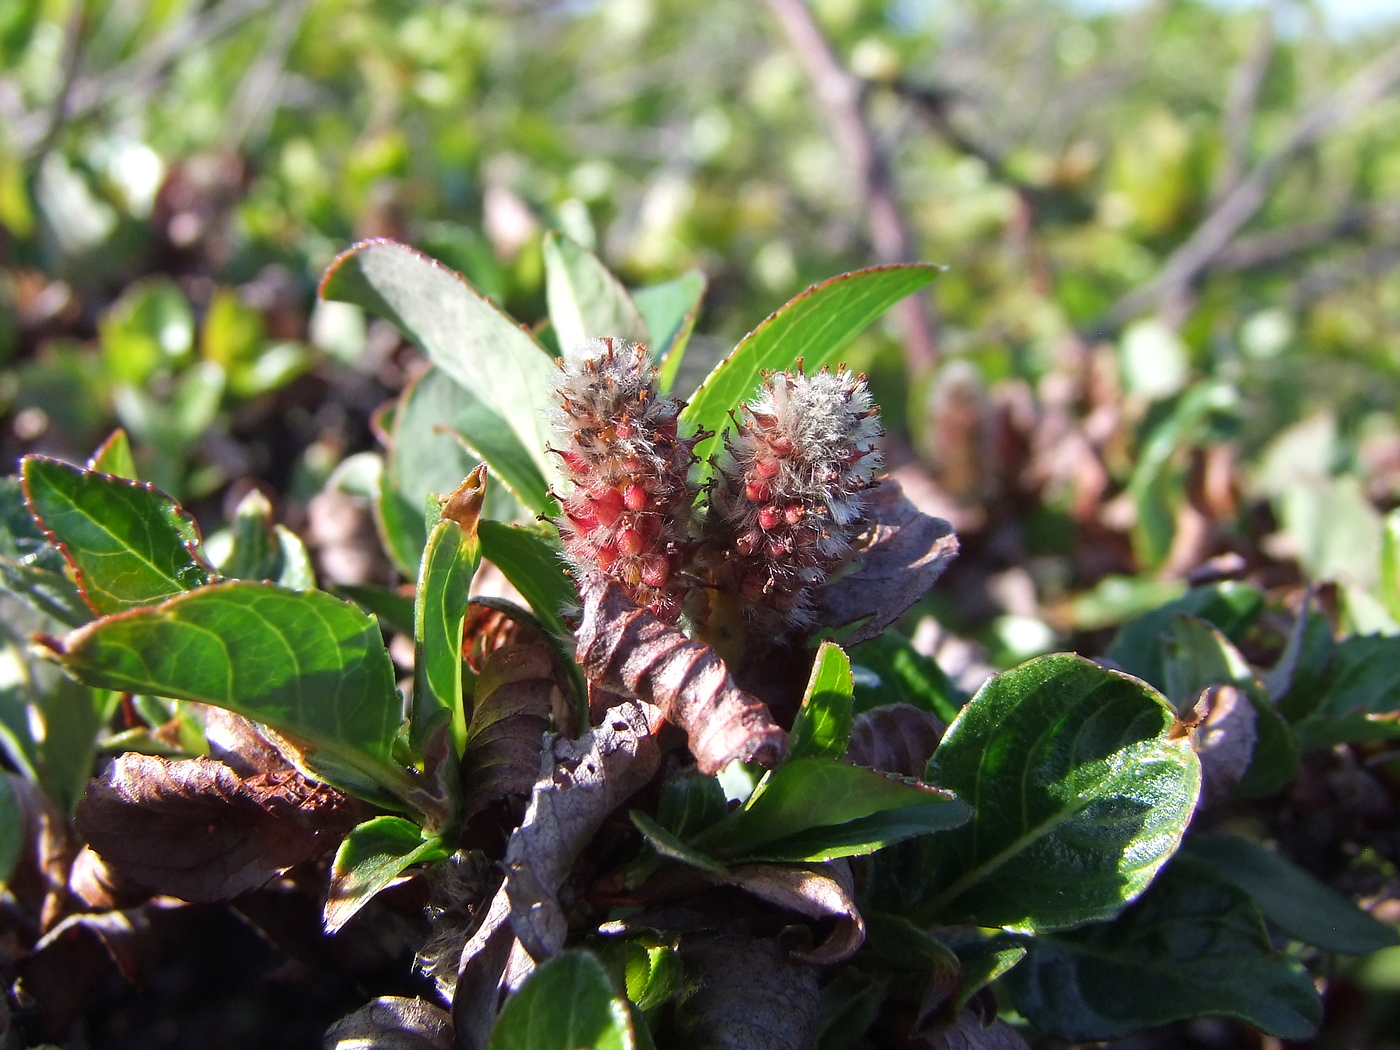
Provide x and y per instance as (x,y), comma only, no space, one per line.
(585,300)
(129,543)
(1193,946)
(12,824)
(982,963)
(460,331)
(567,1004)
(690,803)
(1361,698)
(812,809)
(113,456)
(371,857)
(1290,898)
(823,725)
(816,326)
(903,676)
(670,311)
(1078,797)
(449,563)
(303,662)
(255,552)
(653,974)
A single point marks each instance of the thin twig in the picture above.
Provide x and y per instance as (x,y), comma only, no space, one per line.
(1241,103)
(1193,258)
(1274,247)
(840,94)
(72,58)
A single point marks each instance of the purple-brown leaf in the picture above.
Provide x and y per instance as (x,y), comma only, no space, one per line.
(194,829)
(629,650)
(901,557)
(514,696)
(822,893)
(894,738)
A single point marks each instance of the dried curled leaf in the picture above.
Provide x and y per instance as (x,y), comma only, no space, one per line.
(393,1022)
(894,738)
(580,783)
(195,830)
(514,695)
(749,995)
(903,554)
(971,1032)
(629,650)
(825,892)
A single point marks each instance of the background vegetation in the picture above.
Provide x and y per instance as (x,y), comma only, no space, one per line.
(1166,346)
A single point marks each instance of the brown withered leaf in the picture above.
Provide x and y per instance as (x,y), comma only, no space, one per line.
(749,995)
(894,738)
(195,830)
(393,1022)
(824,892)
(580,783)
(629,650)
(903,554)
(514,696)
(238,743)
(493,960)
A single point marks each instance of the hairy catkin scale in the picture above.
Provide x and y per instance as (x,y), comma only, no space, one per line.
(789,496)
(628,511)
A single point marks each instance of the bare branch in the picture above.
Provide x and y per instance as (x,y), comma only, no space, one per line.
(1241,103)
(841,96)
(1193,258)
(1273,247)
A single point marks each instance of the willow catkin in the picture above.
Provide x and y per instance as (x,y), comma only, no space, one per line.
(789,495)
(629,507)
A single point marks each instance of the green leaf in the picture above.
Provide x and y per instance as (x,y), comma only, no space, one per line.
(670,846)
(129,543)
(823,725)
(303,662)
(1290,898)
(449,563)
(113,456)
(372,856)
(1078,797)
(906,676)
(461,332)
(31,568)
(1197,657)
(670,311)
(483,434)
(1137,647)
(429,455)
(1193,946)
(394,608)
(11,827)
(530,560)
(255,552)
(585,300)
(17,728)
(1390,564)
(813,809)
(982,963)
(567,1004)
(816,326)
(1361,700)
(690,803)
(653,974)
(150,328)
(72,714)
